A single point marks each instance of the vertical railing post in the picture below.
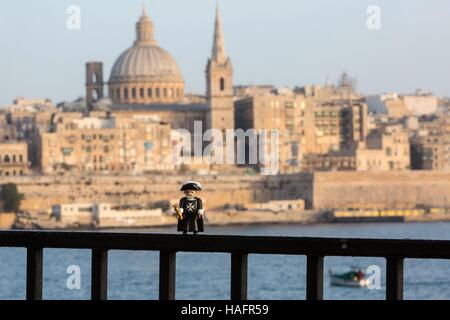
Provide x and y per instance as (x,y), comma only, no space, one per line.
(167,275)
(314,278)
(99,274)
(34,273)
(394,278)
(239,272)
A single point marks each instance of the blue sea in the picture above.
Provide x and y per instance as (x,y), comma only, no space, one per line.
(134,275)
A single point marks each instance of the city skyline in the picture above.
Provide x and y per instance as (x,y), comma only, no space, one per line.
(60,53)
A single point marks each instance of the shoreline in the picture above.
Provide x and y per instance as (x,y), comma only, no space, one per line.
(235,218)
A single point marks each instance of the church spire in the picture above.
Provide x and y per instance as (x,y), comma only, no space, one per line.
(144,28)
(219,83)
(218,53)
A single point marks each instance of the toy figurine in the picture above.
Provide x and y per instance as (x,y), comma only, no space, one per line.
(190,214)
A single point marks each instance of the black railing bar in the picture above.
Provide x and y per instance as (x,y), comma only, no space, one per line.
(99,274)
(34,276)
(394,278)
(421,249)
(167,275)
(239,276)
(314,278)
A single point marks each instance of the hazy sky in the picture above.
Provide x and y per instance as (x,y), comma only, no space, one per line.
(282,42)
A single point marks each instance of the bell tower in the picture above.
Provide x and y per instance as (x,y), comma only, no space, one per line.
(94,83)
(219,83)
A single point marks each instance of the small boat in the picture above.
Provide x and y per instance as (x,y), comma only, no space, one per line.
(353,278)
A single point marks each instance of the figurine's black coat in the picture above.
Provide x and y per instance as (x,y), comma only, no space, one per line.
(191,220)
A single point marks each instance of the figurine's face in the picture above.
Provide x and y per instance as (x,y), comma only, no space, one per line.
(190,193)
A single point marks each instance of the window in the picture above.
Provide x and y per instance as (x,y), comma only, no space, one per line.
(125,93)
(133,93)
(149,92)
(388,152)
(118,94)
(141,92)
(222,84)
(157,93)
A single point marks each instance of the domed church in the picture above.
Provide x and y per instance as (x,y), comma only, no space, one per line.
(146,73)
(146,78)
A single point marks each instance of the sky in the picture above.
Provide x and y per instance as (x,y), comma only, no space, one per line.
(284,43)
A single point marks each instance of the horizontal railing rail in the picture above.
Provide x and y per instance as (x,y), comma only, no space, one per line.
(239,247)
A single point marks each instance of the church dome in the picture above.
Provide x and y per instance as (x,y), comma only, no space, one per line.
(146,62)
(145,73)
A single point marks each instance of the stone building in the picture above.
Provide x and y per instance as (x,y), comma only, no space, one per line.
(343,91)
(385,149)
(390,104)
(291,115)
(430,145)
(420,103)
(5,128)
(431,152)
(242,91)
(314,124)
(338,125)
(13,158)
(24,120)
(329,162)
(106,145)
(340,117)
(398,106)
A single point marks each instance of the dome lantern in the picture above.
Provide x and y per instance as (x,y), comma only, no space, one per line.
(145,29)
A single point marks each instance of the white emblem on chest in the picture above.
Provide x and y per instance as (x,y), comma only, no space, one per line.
(190,207)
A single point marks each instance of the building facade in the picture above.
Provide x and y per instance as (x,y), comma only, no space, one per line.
(431,152)
(385,149)
(339,125)
(107,145)
(290,115)
(14,158)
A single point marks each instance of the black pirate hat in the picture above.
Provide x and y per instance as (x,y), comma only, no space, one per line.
(191,185)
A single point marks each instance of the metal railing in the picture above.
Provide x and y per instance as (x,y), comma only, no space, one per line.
(239,247)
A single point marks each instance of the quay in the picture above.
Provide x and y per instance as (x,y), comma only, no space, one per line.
(239,247)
